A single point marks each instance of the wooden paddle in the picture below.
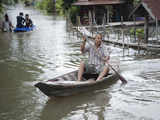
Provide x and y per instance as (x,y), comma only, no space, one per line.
(119,75)
(124,81)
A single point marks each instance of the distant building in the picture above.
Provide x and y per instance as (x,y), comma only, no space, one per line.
(96,11)
(149,9)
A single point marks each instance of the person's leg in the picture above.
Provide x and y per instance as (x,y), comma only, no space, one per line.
(103,73)
(81,71)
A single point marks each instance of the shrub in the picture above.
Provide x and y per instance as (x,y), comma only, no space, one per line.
(139,32)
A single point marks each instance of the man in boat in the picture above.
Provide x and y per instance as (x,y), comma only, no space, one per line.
(96,62)
(28,21)
(20,20)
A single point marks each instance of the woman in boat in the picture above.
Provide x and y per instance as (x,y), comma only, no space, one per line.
(7,25)
(28,21)
(96,61)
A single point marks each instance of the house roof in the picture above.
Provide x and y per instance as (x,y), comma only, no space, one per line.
(150,7)
(97,2)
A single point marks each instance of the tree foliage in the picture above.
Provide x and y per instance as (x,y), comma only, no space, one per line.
(7,2)
(47,5)
(64,7)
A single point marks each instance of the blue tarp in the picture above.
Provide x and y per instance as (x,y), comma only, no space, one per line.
(25,29)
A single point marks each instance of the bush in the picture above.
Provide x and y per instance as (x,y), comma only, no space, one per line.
(139,32)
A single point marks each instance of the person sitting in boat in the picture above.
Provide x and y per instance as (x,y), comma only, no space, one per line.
(28,21)
(20,20)
(6,24)
(96,62)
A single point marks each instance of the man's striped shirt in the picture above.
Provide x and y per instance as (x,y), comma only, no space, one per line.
(96,56)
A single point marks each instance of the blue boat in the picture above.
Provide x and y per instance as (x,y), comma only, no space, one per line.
(24,29)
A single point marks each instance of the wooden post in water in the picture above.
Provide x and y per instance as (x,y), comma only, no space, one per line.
(78,24)
(108,15)
(157,28)
(139,40)
(146,29)
(134,28)
(122,28)
(68,23)
(103,26)
(128,42)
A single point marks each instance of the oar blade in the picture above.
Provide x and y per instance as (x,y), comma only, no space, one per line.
(122,79)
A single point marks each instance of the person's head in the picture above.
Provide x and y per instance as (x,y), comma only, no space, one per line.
(98,40)
(21,13)
(27,16)
(6,17)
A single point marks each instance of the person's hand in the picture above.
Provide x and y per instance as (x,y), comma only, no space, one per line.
(84,38)
(109,50)
(107,58)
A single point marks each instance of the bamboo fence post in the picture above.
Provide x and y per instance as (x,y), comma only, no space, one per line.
(157,28)
(122,30)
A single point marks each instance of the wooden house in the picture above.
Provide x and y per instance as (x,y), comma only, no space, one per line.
(98,11)
(149,9)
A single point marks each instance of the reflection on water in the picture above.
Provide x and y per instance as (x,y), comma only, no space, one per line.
(48,52)
(91,106)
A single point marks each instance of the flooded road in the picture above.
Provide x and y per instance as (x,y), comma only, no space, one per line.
(50,51)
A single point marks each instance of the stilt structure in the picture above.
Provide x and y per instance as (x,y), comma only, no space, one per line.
(147,9)
(121,34)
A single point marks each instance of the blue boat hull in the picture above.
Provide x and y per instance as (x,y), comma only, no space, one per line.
(25,29)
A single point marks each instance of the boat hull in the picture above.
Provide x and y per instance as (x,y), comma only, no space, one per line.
(55,88)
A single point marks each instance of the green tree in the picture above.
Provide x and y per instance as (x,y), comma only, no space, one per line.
(62,7)
(47,5)
(65,6)
(7,2)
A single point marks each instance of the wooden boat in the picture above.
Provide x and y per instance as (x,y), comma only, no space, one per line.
(24,29)
(67,84)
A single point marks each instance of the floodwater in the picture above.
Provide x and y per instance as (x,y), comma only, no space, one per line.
(50,51)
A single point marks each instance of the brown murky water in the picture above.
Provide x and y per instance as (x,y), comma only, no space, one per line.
(50,51)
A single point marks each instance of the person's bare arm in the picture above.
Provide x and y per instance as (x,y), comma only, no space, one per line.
(83,45)
(107,58)
(10,24)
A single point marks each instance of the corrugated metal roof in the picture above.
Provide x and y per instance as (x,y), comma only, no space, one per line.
(152,7)
(97,2)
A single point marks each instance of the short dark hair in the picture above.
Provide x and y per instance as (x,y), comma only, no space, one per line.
(6,17)
(21,13)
